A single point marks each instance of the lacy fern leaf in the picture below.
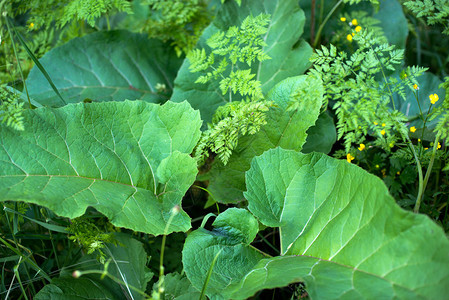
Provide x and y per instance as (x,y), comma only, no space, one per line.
(237,48)
(361,102)
(11,109)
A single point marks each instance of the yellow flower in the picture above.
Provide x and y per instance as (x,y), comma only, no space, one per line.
(31,25)
(349,157)
(415,86)
(413,129)
(362,146)
(375,123)
(426,148)
(433,98)
(349,37)
(382,132)
(358,28)
(343,19)
(354,22)
(377,166)
(383,124)
(419,140)
(398,173)
(439,145)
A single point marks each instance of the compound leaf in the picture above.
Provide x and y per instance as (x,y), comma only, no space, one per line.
(288,56)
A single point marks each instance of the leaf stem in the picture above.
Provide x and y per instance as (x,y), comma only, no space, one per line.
(428,172)
(18,60)
(209,274)
(318,34)
(117,280)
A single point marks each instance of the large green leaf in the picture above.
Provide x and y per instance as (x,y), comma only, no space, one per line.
(106,66)
(342,234)
(129,160)
(128,264)
(234,229)
(344,220)
(290,56)
(286,129)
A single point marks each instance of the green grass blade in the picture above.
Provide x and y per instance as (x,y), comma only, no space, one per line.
(38,64)
(51,227)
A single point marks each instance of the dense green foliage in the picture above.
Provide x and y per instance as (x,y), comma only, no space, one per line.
(281,149)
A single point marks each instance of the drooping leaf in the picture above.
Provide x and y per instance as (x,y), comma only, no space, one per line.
(322,136)
(234,229)
(129,160)
(289,55)
(286,129)
(346,230)
(128,264)
(106,66)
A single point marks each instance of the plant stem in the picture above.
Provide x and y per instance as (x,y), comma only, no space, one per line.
(268,243)
(428,172)
(385,78)
(18,60)
(318,34)
(420,177)
(107,22)
(117,280)
(209,274)
(312,21)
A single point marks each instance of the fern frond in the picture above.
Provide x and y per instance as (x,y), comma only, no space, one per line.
(230,122)
(433,11)
(11,109)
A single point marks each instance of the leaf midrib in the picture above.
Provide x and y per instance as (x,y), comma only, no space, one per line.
(75,176)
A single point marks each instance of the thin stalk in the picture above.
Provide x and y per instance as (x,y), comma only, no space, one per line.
(107,22)
(321,10)
(18,60)
(54,249)
(385,78)
(209,274)
(318,34)
(428,172)
(312,21)
(78,274)
(419,105)
(161,263)
(174,211)
(260,251)
(16,273)
(420,176)
(268,243)
(38,64)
